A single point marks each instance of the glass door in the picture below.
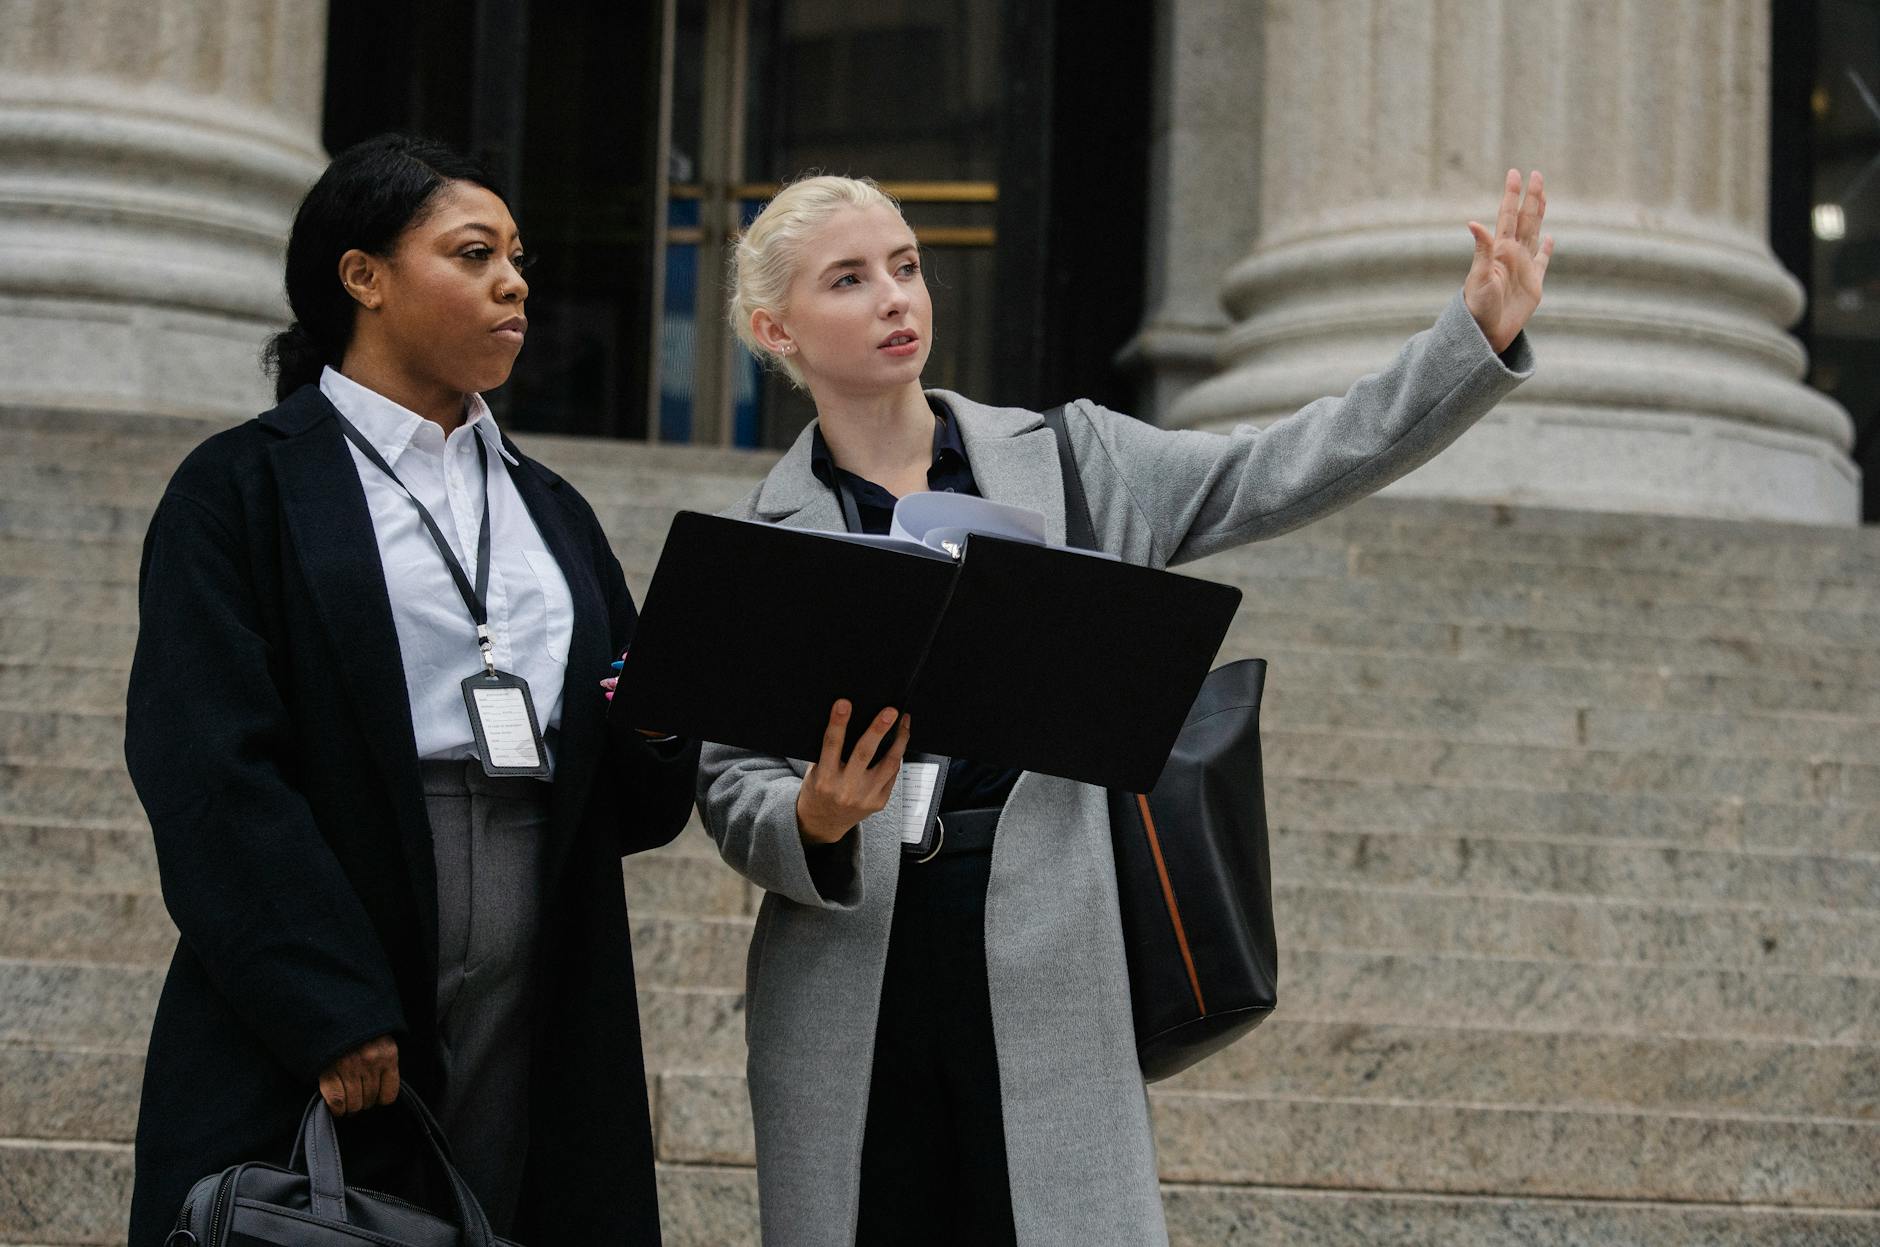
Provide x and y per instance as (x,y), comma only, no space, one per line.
(766,90)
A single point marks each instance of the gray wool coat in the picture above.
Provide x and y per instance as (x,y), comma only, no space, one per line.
(1078,1137)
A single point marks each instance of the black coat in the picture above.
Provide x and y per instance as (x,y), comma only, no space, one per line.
(270,739)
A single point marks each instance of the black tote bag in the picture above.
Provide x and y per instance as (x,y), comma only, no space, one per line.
(1193,879)
(308,1204)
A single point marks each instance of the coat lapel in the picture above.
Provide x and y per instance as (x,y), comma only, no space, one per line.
(590,649)
(1014,457)
(324,511)
(792,496)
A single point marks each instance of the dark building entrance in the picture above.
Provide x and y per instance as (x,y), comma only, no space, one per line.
(636,138)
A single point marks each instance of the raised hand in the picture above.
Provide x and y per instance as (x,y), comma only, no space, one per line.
(836,795)
(1504,283)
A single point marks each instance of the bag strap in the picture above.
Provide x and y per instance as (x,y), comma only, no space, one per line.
(318,1146)
(1078,530)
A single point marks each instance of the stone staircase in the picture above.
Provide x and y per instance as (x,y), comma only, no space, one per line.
(1576,829)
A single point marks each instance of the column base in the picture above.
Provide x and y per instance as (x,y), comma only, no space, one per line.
(85,355)
(1641,462)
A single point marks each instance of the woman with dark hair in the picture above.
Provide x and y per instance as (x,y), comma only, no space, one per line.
(387,803)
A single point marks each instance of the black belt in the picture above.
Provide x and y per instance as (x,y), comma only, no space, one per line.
(965,831)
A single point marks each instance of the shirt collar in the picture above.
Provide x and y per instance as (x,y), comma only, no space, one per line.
(390,428)
(946,440)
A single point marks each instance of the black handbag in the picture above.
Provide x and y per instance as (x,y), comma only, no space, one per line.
(308,1204)
(1193,880)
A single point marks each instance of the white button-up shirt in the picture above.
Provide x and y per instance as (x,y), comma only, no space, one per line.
(531,616)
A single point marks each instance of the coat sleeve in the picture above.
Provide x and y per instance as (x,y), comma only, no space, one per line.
(748,801)
(1198,492)
(251,883)
(659,773)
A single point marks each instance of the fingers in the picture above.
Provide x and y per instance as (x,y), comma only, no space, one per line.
(866,747)
(1533,208)
(899,749)
(835,734)
(364,1078)
(1484,241)
(334,1093)
(387,1089)
(1546,254)
(1510,209)
(891,764)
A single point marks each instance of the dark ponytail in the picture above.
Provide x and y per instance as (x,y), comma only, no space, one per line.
(371,193)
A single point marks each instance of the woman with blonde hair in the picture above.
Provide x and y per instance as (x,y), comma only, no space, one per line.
(941,1050)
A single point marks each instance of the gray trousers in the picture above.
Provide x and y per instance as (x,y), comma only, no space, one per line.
(487,836)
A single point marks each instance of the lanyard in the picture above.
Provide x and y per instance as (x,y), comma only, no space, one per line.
(473,595)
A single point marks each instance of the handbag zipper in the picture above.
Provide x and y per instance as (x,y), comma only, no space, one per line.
(224,1196)
(180,1236)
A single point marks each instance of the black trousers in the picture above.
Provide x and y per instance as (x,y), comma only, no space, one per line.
(933,1155)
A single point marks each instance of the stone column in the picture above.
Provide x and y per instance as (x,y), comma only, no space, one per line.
(1666,382)
(1204,175)
(152,153)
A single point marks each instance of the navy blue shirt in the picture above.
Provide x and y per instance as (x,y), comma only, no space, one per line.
(969,785)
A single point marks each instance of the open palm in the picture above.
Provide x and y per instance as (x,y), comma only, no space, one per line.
(1504,283)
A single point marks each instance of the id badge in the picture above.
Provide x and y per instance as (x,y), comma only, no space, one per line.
(502,717)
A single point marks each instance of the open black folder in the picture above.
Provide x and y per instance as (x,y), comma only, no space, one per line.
(1014,654)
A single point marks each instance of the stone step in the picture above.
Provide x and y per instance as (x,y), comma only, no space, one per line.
(119,858)
(1337,916)
(78,1094)
(1528,865)
(78,856)
(664,478)
(1489,682)
(89,1006)
(125,928)
(1464,573)
(1517,1150)
(65,558)
(716,1206)
(1255,632)
(86,1004)
(1526,702)
(57,793)
(1667,822)
(68,461)
(1209,1215)
(47,792)
(1242,1138)
(1414,578)
(55,1194)
(1633,542)
(1434,1060)
(1488,767)
(134,928)
(69,686)
(1762,757)
(1482,597)
(1591,998)
(56,595)
(1357,917)
(75,438)
(1334,892)
(1295,700)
